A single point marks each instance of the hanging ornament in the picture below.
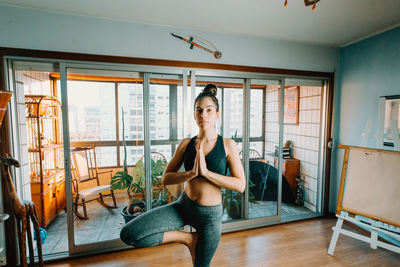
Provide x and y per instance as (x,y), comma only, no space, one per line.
(311,2)
(217,54)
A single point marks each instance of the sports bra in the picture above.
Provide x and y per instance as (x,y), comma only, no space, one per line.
(215,160)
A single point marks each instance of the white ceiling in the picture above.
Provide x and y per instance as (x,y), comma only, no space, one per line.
(334,23)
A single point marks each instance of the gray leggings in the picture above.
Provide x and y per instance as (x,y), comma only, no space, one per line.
(148,229)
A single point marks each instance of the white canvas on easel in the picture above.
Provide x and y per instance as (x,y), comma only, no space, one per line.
(369,187)
(372,184)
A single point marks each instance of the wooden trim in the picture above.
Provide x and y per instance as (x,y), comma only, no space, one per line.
(369,149)
(329,138)
(6,51)
(83,77)
(97,78)
(370,216)
(342,180)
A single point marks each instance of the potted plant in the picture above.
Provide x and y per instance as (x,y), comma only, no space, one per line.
(232,200)
(135,183)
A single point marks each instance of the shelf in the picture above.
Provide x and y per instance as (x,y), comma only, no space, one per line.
(46,178)
(37,99)
(44,133)
(54,174)
(44,148)
(3,217)
(43,117)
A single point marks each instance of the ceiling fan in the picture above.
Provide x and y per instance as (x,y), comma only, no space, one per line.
(307,3)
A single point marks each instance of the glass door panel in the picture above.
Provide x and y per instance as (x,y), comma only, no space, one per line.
(39,149)
(229,125)
(303,121)
(264,141)
(165,90)
(106,138)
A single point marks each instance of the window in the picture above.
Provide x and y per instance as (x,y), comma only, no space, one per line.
(233,120)
(256,113)
(130,100)
(94,119)
(159,112)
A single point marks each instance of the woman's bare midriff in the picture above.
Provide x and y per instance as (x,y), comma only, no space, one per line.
(203,192)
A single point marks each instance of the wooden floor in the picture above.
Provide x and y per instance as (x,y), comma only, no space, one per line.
(302,243)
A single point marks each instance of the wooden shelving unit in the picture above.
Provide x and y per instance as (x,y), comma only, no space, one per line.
(43,114)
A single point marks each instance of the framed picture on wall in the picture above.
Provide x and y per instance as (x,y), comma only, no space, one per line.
(291,105)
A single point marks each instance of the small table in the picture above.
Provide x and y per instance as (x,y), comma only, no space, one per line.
(291,170)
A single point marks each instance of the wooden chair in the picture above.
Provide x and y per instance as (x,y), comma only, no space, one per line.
(253,154)
(84,170)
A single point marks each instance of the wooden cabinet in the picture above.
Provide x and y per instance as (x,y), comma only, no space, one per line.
(291,170)
(60,196)
(45,156)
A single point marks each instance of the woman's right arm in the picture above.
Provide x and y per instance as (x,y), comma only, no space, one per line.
(171,174)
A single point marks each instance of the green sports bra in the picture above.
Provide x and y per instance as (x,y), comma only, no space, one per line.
(215,160)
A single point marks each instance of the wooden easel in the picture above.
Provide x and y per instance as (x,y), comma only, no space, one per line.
(378,211)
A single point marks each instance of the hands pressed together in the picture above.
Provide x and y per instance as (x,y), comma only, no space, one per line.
(200,166)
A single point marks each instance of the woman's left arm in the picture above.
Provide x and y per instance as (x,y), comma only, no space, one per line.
(237,181)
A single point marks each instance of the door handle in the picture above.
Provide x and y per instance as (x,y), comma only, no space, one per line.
(330,144)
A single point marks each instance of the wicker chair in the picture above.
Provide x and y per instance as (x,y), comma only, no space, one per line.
(253,154)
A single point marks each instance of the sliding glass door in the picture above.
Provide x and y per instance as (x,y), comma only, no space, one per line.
(103,140)
(264,179)
(101,123)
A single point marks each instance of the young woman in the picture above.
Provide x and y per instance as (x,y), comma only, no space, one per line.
(206,158)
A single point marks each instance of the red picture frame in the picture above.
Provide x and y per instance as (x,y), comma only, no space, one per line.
(291,105)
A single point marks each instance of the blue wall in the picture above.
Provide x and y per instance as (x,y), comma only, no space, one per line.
(366,70)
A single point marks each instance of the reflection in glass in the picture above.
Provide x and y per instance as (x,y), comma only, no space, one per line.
(302,133)
(233,107)
(91,110)
(263,175)
(232,128)
(130,98)
(256,113)
(164,118)
(41,176)
(93,122)
(392,120)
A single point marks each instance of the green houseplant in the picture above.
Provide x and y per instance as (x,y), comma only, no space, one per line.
(232,201)
(135,184)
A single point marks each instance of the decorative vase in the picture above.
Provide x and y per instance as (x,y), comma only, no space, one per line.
(43,235)
(299,201)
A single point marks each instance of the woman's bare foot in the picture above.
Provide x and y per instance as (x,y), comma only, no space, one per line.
(192,245)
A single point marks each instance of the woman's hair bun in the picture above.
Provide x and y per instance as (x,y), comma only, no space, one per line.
(210,89)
